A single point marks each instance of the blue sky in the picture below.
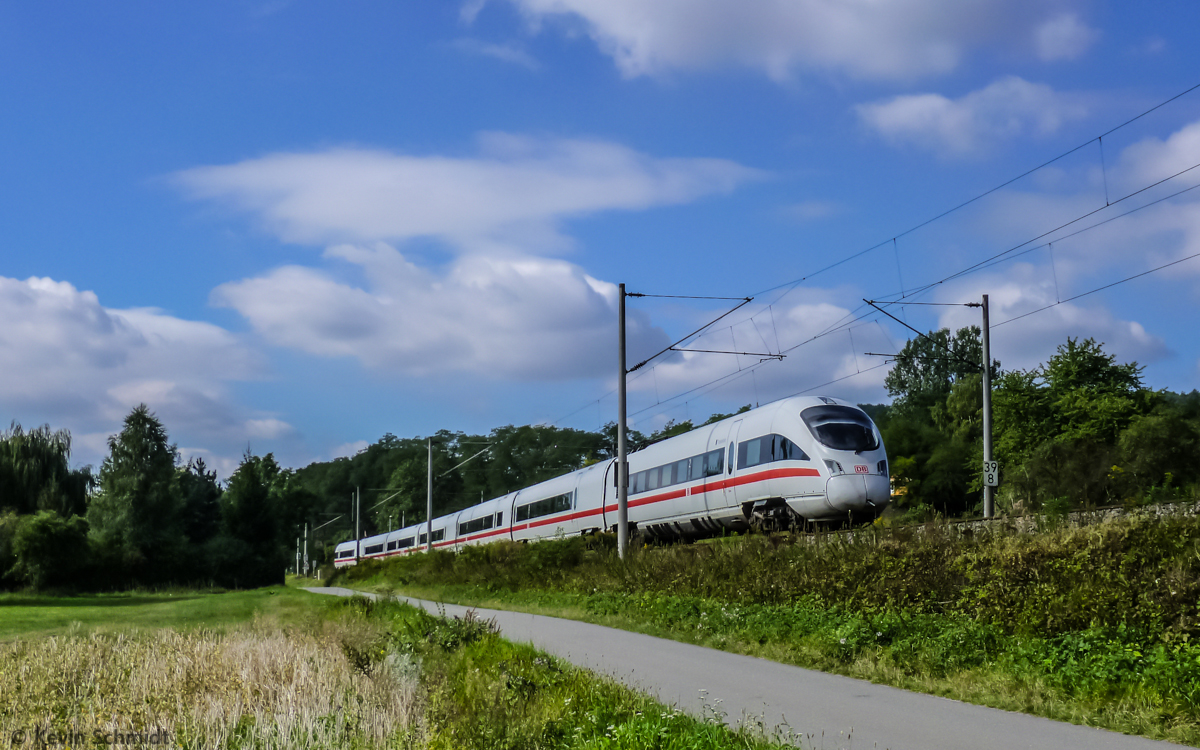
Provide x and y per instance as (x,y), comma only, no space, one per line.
(297,226)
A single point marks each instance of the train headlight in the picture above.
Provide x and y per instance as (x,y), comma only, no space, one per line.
(833,466)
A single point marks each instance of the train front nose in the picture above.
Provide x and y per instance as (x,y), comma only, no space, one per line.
(852,492)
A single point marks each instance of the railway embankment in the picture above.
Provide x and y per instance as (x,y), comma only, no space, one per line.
(1092,620)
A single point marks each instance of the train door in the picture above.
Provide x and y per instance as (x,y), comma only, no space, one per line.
(719,488)
(608,518)
(509,520)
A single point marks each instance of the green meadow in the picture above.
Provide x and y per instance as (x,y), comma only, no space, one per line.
(37,615)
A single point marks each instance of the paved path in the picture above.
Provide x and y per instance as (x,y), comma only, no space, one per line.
(836,712)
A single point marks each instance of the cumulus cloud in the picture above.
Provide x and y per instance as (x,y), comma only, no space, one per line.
(1153,159)
(822,359)
(77,364)
(1063,37)
(513,193)
(870,40)
(518,317)
(974,123)
(1157,227)
(1029,341)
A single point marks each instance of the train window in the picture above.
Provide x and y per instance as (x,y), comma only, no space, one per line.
(786,450)
(652,479)
(405,542)
(345,553)
(391,546)
(681,471)
(438,535)
(556,504)
(840,427)
(714,462)
(768,448)
(697,467)
(754,452)
(639,483)
(477,524)
(374,549)
(500,518)
(729,463)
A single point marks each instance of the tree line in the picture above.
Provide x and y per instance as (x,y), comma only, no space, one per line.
(145,519)
(1081,429)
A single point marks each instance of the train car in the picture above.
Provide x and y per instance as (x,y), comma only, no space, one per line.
(801,459)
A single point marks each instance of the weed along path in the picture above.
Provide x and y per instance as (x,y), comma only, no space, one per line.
(827,711)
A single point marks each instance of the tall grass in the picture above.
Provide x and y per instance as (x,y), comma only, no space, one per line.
(255,687)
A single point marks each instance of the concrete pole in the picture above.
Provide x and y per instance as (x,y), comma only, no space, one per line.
(622,463)
(989,509)
(357,521)
(429,502)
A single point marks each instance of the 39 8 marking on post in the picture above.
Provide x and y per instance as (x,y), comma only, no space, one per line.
(991,473)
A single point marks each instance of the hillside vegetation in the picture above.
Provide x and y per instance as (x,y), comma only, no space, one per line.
(1095,624)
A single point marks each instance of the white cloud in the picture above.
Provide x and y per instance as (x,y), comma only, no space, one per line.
(835,364)
(512,194)
(1153,159)
(972,124)
(517,317)
(77,364)
(500,307)
(1063,37)
(508,53)
(1114,242)
(348,450)
(1030,341)
(872,40)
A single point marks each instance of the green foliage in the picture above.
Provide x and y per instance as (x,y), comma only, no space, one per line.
(1080,430)
(1094,621)
(250,550)
(929,366)
(1083,428)
(9,522)
(201,497)
(50,550)
(933,430)
(35,472)
(136,519)
(486,693)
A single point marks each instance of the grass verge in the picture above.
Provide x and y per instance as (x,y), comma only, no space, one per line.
(1095,626)
(484,692)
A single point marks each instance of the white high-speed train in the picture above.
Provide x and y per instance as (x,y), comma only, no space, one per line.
(799,459)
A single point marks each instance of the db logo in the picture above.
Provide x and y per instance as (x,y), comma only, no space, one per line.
(861,470)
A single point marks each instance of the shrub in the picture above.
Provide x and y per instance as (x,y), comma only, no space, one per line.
(49,549)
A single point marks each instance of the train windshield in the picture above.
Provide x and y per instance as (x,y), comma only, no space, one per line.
(841,427)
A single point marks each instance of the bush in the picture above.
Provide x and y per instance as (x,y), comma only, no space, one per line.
(50,550)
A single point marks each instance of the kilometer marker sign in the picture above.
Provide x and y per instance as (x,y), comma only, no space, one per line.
(991,473)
